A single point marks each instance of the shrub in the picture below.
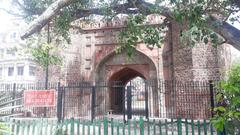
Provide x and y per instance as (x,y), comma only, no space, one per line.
(227,111)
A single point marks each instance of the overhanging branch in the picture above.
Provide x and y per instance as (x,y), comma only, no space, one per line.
(126,8)
(118,9)
(140,6)
(227,31)
(46,16)
(231,34)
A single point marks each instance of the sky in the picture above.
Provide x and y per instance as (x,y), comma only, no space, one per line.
(6,19)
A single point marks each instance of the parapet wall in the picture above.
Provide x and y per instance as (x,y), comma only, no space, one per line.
(117,22)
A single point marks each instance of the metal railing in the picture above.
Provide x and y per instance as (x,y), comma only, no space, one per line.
(149,99)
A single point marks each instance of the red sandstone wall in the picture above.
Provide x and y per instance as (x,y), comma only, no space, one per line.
(90,48)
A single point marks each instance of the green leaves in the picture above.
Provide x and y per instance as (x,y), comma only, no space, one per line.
(218,123)
(4,129)
(220,108)
(193,15)
(136,32)
(46,55)
(62,25)
(205,40)
(227,111)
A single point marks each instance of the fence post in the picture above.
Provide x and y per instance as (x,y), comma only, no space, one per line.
(93,103)
(141,125)
(59,103)
(129,102)
(72,127)
(112,127)
(105,125)
(211,96)
(13,96)
(179,126)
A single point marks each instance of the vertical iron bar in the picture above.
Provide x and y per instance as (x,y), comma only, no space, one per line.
(124,101)
(63,102)
(211,96)
(129,102)
(13,96)
(93,103)
(146,100)
(13,103)
(59,102)
(46,87)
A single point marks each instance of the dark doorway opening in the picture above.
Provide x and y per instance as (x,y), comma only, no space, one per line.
(118,83)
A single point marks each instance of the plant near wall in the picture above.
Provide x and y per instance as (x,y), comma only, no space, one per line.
(135,32)
(43,52)
(45,55)
(227,113)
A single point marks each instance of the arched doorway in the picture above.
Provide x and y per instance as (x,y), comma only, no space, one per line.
(118,82)
(118,71)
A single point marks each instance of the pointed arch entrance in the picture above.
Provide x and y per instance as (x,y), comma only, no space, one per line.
(117,71)
(117,85)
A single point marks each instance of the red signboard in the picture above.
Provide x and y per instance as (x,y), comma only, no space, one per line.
(40,98)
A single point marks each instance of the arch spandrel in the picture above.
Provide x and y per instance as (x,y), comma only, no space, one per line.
(113,63)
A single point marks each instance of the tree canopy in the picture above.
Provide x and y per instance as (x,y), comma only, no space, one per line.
(204,18)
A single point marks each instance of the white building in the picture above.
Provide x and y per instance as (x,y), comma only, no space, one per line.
(14,68)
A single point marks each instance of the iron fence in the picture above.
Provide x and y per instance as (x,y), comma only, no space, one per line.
(12,95)
(88,100)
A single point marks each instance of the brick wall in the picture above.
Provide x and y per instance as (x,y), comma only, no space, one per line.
(91,57)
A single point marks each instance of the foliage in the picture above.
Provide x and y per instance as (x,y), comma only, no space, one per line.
(136,32)
(228,109)
(3,128)
(60,24)
(194,14)
(45,55)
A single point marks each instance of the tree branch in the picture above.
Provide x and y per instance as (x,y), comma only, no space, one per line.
(227,31)
(230,33)
(46,16)
(126,8)
(118,9)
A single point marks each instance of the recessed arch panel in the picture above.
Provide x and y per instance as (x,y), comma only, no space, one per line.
(117,67)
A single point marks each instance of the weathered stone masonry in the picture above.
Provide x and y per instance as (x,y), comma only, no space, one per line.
(91,57)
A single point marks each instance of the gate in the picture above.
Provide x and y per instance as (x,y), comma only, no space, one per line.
(77,100)
(88,101)
(82,100)
(136,99)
